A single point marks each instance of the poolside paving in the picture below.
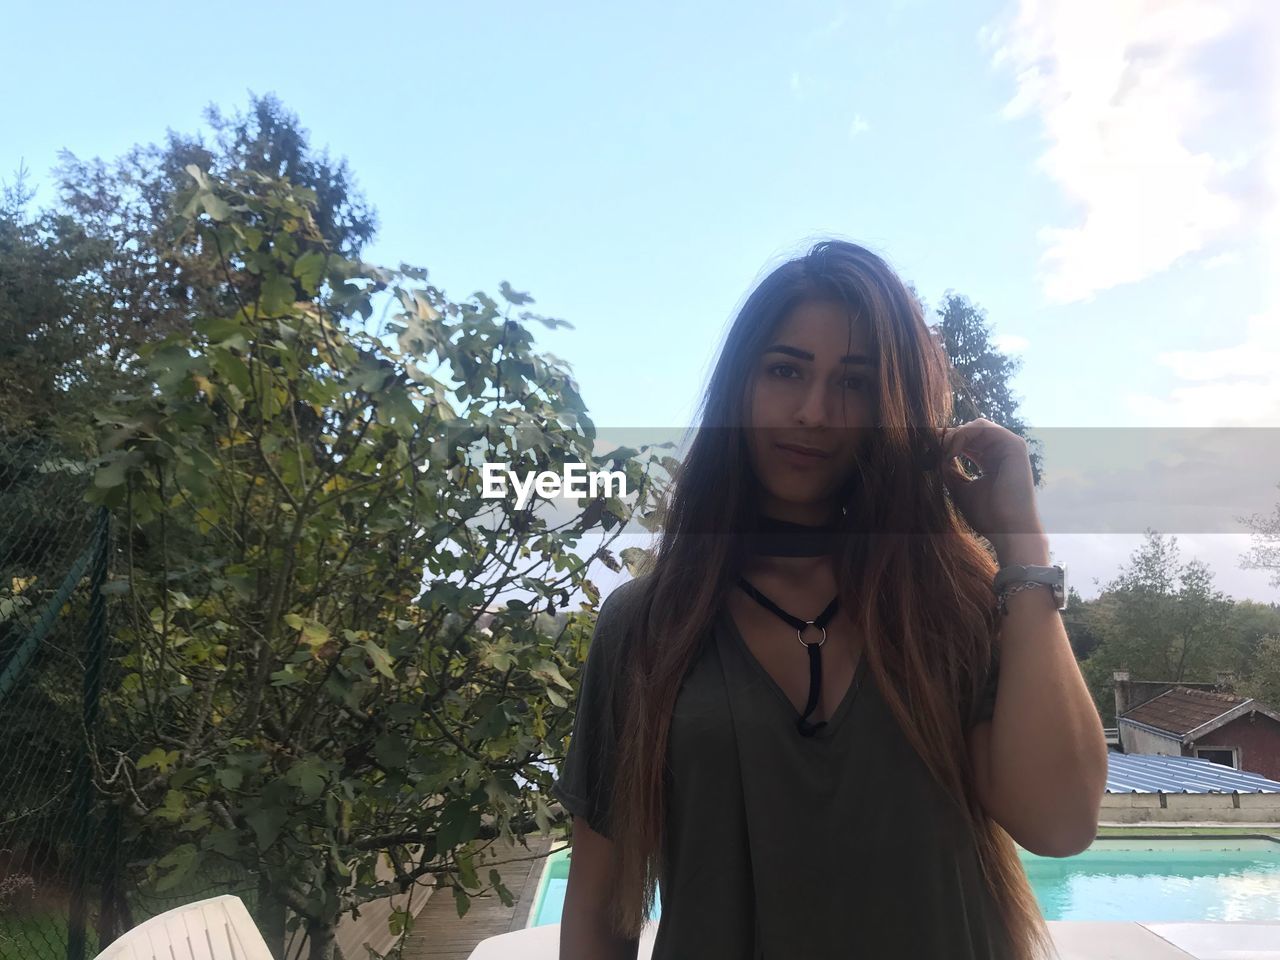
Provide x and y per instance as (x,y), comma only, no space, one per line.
(1072,940)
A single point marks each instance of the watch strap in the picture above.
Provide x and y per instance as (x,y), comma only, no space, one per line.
(1023,576)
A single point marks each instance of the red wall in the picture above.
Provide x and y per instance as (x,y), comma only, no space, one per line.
(1257,736)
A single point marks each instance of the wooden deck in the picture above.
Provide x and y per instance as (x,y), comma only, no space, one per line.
(440,934)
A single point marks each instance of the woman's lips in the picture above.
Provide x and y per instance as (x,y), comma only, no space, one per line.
(799,456)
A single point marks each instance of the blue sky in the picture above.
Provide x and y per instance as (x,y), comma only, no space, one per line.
(1102,180)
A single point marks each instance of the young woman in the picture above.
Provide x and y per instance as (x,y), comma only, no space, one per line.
(790,722)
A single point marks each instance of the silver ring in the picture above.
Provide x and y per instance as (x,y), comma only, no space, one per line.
(810,623)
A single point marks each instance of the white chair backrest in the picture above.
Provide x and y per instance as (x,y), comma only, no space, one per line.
(219,928)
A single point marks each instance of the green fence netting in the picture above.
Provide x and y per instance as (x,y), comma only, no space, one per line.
(72,863)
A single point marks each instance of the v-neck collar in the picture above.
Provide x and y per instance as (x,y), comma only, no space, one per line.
(846,702)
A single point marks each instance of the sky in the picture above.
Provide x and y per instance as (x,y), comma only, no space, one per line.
(1102,177)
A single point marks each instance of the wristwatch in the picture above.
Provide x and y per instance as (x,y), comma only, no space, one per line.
(1009,580)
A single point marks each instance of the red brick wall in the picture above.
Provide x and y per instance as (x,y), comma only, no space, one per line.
(1257,736)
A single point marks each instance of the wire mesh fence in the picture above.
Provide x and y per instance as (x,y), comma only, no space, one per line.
(72,863)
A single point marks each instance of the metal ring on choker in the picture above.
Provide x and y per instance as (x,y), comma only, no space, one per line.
(800,637)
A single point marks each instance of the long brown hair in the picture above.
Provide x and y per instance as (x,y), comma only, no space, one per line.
(919,576)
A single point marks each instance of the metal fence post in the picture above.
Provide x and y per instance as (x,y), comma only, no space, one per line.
(95,644)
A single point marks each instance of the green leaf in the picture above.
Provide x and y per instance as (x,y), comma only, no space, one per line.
(215,206)
(173,808)
(266,823)
(381,659)
(308,268)
(222,330)
(548,672)
(277,295)
(179,862)
(184,776)
(252,236)
(551,322)
(233,370)
(461,900)
(494,723)
(467,870)
(308,776)
(293,620)
(399,922)
(459,823)
(500,660)
(315,632)
(513,296)
(391,751)
(116,473)
(160,758)
(495,880)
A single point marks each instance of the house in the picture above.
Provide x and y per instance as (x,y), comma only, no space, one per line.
(1204,720)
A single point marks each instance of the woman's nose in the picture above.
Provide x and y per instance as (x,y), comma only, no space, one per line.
(813,405)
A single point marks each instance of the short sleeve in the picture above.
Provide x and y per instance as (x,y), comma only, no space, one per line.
(984,707)
(585,782)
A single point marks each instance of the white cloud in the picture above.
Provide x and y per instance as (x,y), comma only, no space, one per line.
(859,125)
(796,84)
(1220,260)
(1258,355)
(1235,386)
(1124,89)
(1010,342)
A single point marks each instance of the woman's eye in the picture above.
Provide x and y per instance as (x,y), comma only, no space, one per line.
(786,371)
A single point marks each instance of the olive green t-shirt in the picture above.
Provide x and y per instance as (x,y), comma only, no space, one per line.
(779,846)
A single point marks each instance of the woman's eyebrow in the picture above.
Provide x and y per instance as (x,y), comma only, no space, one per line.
(806,355)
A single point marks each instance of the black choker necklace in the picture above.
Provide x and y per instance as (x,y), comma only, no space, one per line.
(786,538)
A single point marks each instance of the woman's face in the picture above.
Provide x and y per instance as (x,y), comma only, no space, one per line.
(814,386)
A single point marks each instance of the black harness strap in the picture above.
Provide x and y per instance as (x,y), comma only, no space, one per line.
(806,728)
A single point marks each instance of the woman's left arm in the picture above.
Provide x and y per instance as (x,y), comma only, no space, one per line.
(1041,760)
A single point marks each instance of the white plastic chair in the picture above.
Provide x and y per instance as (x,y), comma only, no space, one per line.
(219,928)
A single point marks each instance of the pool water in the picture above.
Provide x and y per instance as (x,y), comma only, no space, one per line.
(549,901)
(1219,878)
(1161,880)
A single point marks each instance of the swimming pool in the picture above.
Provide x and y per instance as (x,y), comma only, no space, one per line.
(1217,878)
(548,900)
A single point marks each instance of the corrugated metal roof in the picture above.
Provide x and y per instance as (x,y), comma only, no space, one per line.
(1149,773)
(1182,709)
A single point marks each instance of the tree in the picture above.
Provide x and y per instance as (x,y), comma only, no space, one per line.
(1263,683)
(1161,620)
(1264,554)
(268,140)
(85,285)
(1250,622)
(1079,619)
(980,373)
(306,687)
(44,296)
